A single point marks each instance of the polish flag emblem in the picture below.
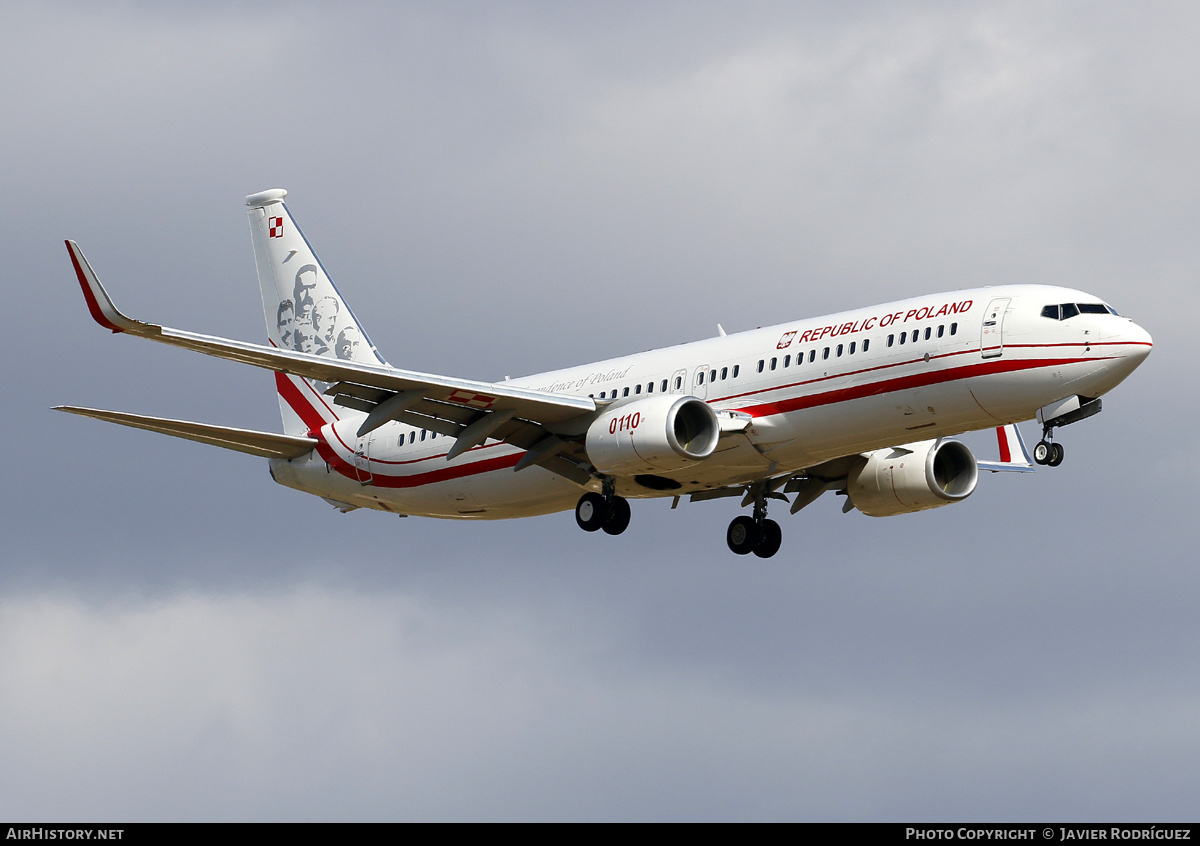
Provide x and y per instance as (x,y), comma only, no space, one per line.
(470,398)
(276,227)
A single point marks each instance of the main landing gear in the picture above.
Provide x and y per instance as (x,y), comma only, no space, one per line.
(755,534)
(605,511)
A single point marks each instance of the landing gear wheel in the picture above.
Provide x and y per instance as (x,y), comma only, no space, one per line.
(770,537)
(743,535)
(1056,455)
(618,515)
(591,512)
(1042,452)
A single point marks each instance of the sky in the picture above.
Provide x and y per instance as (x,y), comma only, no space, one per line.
(502,189)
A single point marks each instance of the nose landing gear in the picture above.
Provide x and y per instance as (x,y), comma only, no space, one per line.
(1061,413)
(1047,451)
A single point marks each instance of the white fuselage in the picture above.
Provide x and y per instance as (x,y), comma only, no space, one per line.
(815,389)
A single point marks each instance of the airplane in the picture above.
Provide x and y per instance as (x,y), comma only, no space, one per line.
(863,403)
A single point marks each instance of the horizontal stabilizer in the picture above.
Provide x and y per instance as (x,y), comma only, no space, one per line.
(262,444)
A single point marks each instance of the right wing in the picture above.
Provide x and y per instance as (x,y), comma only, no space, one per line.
(1014,457)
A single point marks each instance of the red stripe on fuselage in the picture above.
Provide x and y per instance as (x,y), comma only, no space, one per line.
(414,480)
(303,408)
(901,383)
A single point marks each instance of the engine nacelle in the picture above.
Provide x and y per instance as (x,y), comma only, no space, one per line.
(652,435)
(913,477)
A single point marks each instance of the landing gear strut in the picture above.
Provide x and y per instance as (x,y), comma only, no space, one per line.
(1047,451)
(605,511)
(755,534)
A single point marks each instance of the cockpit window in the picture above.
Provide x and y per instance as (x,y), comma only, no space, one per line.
(1066,311)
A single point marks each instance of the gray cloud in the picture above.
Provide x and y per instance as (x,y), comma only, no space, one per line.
(510,189)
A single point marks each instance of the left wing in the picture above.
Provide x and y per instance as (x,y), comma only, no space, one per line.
(467,410)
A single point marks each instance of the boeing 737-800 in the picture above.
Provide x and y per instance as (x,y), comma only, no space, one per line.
(861,403)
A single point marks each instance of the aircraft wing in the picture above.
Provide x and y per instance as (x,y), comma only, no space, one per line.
(468,410)
(1014,457)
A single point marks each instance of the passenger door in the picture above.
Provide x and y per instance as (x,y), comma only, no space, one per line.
(991,338)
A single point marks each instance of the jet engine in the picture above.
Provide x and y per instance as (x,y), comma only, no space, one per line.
(913,477)
(652,435)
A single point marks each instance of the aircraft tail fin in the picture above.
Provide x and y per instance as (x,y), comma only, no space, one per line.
(304,310)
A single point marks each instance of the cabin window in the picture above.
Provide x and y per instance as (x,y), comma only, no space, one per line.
(678,382)
(422,434)
(825,354)
(891,338)
(916,335)
(953,328)
(774,362)
(812,356)
(649,387)
(412,436)
(700,377)
(839,350)
(866,343)
(787,361)
(626,393)
(736,368)
(664,386)
(638,389)
(852,347)
(761,363)
(941,331)
(724,373)
(903,338)
(928,332)
(712,377)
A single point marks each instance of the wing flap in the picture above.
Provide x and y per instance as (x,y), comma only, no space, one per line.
(261,444)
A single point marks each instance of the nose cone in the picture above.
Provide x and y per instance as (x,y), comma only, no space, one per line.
(1132,345)
(1138,343)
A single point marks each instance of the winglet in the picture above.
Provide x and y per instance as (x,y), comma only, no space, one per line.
(1014,457)
(98,301)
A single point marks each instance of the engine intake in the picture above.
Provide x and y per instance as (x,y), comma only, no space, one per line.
(913,477)
(652,435)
